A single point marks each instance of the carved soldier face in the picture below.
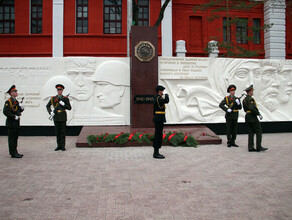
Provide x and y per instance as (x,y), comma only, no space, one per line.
(109,95)
(82,78)
(285,78)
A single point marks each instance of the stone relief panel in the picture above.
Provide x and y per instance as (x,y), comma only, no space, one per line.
(197,86)
(95,99)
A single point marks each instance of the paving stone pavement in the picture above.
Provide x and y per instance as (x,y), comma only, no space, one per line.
(208,182)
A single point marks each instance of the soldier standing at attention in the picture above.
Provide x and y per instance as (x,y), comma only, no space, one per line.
(12,110)
(253,124)
(60,104)
(231,104)
(159,118)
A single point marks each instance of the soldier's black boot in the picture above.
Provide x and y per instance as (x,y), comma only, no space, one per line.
(16,156)
(262,149)
(234,145)
(157,155)
(63,148)
(228,144)
(58,148)
(19,154)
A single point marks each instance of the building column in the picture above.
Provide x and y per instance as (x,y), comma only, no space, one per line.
(274,13)
(166,30)
(58,20)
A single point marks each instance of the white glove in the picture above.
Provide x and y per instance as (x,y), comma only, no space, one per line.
(237,101)
(52,113)
(16,117)
(62,103)
(229,110)
(20,105)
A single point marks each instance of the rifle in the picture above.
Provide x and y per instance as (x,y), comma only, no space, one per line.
(232,104)
(55,110)
(18,113)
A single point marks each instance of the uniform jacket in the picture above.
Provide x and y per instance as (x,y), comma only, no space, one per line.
(159,108)
(230,102)
(10,110)
(251,109)
(59,110)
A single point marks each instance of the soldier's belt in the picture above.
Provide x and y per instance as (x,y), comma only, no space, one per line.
(158,112)
(248,111)
(60,111)
(235,110)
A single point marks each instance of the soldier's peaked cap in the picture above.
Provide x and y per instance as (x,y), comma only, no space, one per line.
(12,88)
(249,88)
(159,88)
(60,86)
(231,87)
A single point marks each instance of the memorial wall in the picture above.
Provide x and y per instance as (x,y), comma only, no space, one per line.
(98,88)
(197,85)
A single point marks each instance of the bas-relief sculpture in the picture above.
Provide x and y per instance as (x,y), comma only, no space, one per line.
(197,100)
(99,88)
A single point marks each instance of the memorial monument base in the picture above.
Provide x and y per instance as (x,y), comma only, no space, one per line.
(201,133)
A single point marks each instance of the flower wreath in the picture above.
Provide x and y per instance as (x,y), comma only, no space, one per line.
(172,138)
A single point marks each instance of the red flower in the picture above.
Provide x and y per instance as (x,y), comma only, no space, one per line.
(97,138)
(203,134)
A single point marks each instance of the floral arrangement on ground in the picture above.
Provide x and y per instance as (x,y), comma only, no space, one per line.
(171,138)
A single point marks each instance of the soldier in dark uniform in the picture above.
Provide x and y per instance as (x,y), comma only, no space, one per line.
(159,118)
(253,124)
(231,105)
(60,104)
(12,110)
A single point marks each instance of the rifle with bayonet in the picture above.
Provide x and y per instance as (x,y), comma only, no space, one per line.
(55,109)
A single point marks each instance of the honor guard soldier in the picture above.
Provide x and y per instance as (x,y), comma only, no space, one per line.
(231,105)
(160,99)
(59,115)
(252,121)
(12,110)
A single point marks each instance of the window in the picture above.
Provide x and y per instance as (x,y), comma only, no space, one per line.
(7,17)
(143,15)
(36,15)
(81,16)
(112,17)
(241,30)
(226,37)
(256,31)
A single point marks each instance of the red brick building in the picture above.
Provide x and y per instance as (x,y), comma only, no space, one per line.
(99,27)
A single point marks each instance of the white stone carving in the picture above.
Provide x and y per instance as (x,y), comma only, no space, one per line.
(213,48)
(100,87)
(196,100)
(35,79)
(180,48)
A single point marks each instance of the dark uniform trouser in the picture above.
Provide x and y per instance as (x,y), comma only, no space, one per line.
(254,128)
(157,142)
(60,130)
(12,140)
(231,130)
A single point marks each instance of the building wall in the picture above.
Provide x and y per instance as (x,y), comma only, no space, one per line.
(22,43)
(195,29)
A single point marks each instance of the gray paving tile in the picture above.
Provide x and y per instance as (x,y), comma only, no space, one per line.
(208,182)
